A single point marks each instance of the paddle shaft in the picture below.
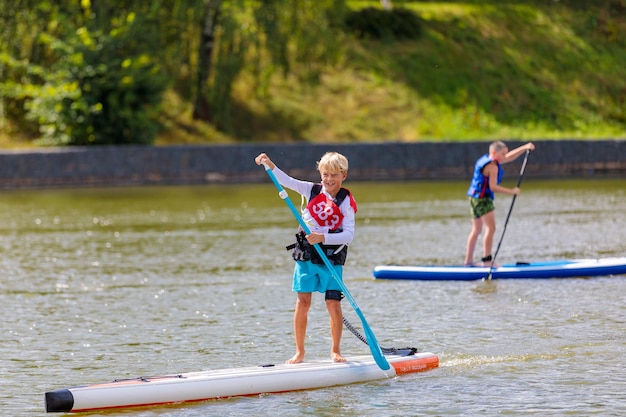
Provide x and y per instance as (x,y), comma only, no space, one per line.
(377,353)
(508,215)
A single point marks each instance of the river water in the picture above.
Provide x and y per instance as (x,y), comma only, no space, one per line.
(118,283)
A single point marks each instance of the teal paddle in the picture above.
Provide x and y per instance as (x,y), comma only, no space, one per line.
(379,357)
(519,182)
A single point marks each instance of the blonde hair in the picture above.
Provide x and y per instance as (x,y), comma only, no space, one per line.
(497,146)
(333,162)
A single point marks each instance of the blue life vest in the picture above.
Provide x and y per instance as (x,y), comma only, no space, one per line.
(479,187)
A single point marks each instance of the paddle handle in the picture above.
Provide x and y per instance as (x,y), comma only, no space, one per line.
(377,353)
(522,169)
(519,183)
(283,195)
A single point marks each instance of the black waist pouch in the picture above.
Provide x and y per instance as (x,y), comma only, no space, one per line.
(304,251)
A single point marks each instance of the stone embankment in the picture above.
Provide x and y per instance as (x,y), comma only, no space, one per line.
(390,161)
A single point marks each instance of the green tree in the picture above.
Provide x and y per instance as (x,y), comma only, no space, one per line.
(85,77)
(281,35)
(93,72)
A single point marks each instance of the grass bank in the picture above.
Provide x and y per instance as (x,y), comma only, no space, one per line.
(482,70)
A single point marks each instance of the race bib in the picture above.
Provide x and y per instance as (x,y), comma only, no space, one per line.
(325,211)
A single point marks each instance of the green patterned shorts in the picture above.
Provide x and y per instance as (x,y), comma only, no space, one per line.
(481,206)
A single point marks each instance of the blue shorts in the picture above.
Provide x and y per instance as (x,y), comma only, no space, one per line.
(310,277)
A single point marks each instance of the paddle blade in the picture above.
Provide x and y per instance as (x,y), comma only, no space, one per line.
(377,352)
(379,357)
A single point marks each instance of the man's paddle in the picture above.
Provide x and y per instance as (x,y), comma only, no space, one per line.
(519,182)
(379,357)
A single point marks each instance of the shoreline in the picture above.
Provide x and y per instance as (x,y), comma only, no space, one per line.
(135,165)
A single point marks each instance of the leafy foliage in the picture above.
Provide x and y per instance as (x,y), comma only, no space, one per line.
(97,70)
(89,87)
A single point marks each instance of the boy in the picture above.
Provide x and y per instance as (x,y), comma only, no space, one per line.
(487,177)
(329,213)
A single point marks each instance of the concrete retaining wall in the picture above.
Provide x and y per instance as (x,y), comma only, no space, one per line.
(145,165)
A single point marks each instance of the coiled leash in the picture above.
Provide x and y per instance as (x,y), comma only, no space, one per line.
(408,351)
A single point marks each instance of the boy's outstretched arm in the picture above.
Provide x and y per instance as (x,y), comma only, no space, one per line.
(515,153)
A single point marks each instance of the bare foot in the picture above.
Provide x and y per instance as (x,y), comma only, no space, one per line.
(297,358)
(336,357)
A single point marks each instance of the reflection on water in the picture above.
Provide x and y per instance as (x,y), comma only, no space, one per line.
(114,283)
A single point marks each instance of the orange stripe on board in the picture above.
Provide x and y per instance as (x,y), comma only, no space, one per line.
(416,365)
